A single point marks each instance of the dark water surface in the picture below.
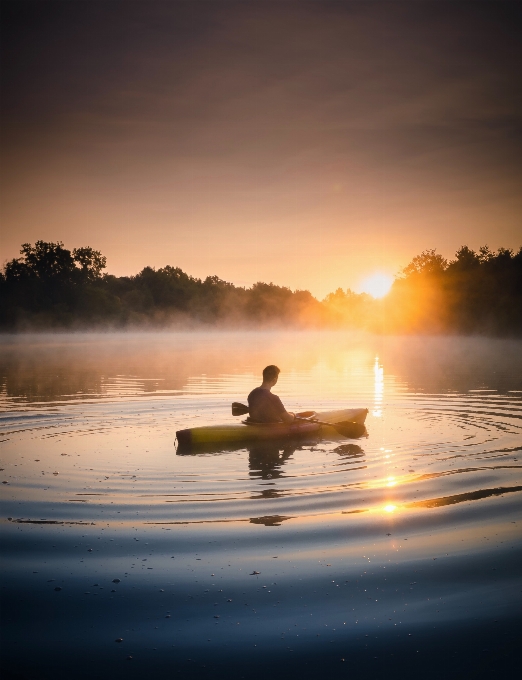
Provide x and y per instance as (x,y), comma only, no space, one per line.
(397,555)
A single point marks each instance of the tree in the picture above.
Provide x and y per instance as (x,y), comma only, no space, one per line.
(417,302)
(91,262)
(49,280)
(44,261)
(428,262)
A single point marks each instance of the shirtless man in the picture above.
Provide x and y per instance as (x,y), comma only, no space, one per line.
(265,407)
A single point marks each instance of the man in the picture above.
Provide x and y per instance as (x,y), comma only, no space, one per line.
(265,407)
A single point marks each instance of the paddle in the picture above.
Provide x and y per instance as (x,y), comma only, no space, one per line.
(239,409)
(347,428)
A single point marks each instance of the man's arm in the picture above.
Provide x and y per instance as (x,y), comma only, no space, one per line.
(286,416)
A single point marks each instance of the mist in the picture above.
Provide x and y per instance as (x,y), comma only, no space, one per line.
(46,367)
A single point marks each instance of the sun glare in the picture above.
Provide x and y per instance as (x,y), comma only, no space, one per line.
(377,285)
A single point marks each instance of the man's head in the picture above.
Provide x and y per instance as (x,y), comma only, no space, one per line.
(271,374)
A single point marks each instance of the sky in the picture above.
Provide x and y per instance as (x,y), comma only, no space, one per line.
(308,144)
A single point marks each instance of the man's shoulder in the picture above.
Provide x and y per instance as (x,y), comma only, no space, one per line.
(258,392)
(262,393)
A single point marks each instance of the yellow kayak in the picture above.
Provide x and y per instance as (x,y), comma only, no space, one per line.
(248,432)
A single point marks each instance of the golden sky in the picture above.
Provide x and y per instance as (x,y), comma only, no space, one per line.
(305,143)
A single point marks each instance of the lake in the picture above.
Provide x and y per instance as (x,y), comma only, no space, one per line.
(395,555)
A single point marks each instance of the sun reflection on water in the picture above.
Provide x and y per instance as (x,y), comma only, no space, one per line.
(378,372)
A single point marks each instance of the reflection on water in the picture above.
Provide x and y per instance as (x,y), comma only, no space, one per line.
(92,484)
(349,451)
(265,460)
(463,497)
(269,520)
(379,389)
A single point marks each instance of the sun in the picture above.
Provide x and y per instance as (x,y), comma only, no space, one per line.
(377,285)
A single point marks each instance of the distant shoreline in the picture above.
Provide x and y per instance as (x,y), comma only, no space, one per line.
(52,289)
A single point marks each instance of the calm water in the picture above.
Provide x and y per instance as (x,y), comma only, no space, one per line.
(387,556)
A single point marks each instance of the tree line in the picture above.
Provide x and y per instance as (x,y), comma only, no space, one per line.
(51,287)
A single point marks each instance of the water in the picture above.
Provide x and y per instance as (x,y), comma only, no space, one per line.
(392,555)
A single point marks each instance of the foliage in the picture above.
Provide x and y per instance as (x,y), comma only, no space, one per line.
(49,286)
(428,263)
(473,293)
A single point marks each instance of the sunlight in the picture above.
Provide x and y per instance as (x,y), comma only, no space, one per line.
(378,372)
(390,508)
(390,480)
(377,285)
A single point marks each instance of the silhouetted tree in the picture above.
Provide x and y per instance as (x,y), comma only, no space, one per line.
(47,281)
(91,263)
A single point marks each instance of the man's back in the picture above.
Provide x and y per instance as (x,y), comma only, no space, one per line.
(265,407)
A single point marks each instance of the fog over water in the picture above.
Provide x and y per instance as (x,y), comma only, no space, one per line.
(304,554)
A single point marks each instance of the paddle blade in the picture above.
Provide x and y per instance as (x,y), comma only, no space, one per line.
(239,409)
(350,429)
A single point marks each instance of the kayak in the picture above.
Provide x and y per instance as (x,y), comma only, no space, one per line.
(249,432)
